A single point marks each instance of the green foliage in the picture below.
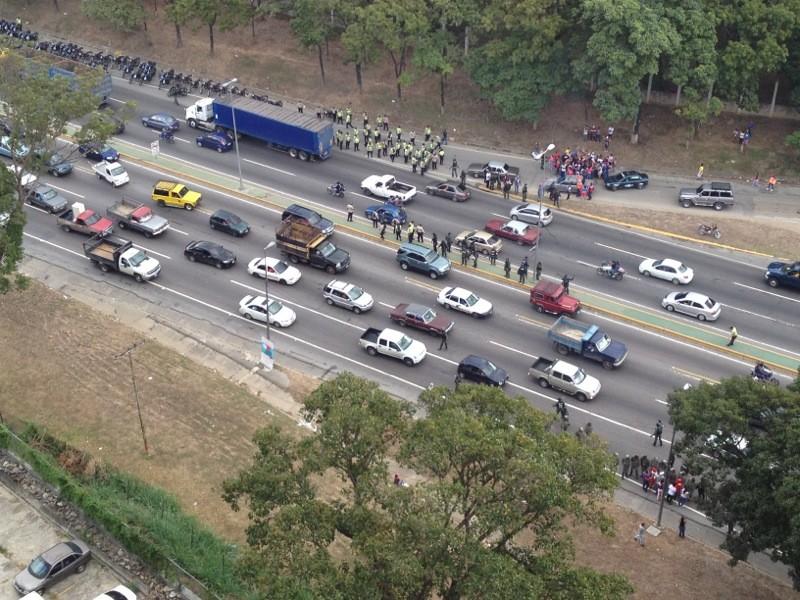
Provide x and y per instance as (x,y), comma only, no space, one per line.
(697,110)
(793,140)
(124,15)
(490,471)
(741,439)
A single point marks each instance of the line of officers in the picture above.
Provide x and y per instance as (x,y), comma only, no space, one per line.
(429,154)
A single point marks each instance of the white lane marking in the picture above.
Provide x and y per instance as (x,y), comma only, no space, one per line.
(36,208)
(258,164)
(60,189)
(755,289)
(153,252)
(619,250)
(499,215)
(172,228)
(83,170)
(755,314)
(370,198)
(282,333)
(182,140)
(510,349)
(386,305)
(49,243)
(593,266)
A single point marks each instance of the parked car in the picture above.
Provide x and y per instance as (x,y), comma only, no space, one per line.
(215,140)
(626,180)
(449,190)
(53,565)
(118,593)
(529,213)
(387,213)
(668,269)
(516,231)
(347,295)
(421,258)
(484,241)
(48,199)
(276,269)
(55,164)
(568,184)
(19,150)
(210,254)
(457,298)
(481,370)
(227,222)
(97,152)
(161,121)
(255,307)
(421,317)
(715,194)
(693,304)
(308,216)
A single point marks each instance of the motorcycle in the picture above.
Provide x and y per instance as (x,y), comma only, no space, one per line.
(765,376)
(177,90)
(339,193)
(711,230)
(167,136)
(608,270)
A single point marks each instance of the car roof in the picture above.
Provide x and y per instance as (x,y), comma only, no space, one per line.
(548,288)
(338,284)
(59,551)
(257,300)
(165,184)
(417,309)
(692,296)
(518,225)
(410,246)
(475,360)
(207,245)
(458,291)
(221,212)
(670,262)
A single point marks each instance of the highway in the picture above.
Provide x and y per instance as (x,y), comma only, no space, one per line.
(632,397)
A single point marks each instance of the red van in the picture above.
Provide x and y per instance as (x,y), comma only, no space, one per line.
(549,296)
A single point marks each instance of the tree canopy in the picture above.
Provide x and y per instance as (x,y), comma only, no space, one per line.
(483,517)
(741,440)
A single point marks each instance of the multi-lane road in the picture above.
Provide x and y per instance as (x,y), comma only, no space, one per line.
(632,397)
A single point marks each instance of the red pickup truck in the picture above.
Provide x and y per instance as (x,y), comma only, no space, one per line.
(84,220)
(549,296)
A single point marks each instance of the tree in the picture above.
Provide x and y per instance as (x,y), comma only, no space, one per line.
(358,39)
(485,519)
(397,24)
(229,14)
(793,140)
(124,15)
(740,438)
(37,110)
(178,13)
(312,26)
(627,39)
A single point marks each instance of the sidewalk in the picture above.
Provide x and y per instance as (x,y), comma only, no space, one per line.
(629,494)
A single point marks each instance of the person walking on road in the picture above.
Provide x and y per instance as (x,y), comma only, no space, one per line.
(682,527)
(350,210)
(657,433)
(538,270)
(454,168)
(383,231)
(443,341)
(507,268)
(734,335)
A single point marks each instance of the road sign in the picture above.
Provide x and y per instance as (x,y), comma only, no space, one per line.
(267,354)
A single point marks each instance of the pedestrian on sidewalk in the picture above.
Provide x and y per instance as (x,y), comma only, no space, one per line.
(383,231)
(435,242)
(538,270)
(524,192)
(771,183)
(350,210)
(634,472)
(734,335)
(701,169)
(588,429)
(475,259)
(443,341)
(657,433)
(493,257)
(374,218)
(682,527)
(640,533)
(420,231)
(517,182)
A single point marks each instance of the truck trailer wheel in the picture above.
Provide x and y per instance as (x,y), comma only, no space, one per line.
(293,152)
(562,349)
(303,155)
(192,123)
(104,268)
(121,224)
(371,351)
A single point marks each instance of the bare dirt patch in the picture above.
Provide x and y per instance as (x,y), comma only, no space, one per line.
(273,61)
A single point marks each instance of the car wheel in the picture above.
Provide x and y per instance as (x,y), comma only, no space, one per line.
(188,206)
(402,323)
(191,258)
(544,383)
(144,124)
(701,317)
(81,568)
(218,265)
(404,266)
(104,268)
(608,365)
(645,273)
(66,228)
(138,278)
(408,362)
(329,301)
(773,283)
(639,186)
(356,310)
(219,149)
(330,270)
(675,281)
(670,308)
(371,351)
(718,206)
(162,204)
(199,144)
(580,397)
(539,308)
(562,349)
(475,316)
(248,316)
(121,225)
(433,275)
(147,234)
(686,204)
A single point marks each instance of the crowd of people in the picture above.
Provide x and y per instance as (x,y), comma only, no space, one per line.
(583,164)
(657,478)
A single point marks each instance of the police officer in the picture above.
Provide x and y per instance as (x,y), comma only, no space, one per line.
(626,465)
(347,141)
(427,133)
(356,140)
(507,267)
(493,256)
(454,168)
(413,164)
(370,149)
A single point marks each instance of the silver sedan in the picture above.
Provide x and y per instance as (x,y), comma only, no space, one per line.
(693,304)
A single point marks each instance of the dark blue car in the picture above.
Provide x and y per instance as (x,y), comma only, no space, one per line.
(98,152)
(387,213)
(161,121)
(216,141)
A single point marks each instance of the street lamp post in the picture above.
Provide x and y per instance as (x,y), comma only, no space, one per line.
(266,284)
(539,156)
(226,87)
(670,462)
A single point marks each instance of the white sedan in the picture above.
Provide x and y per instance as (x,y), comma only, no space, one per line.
(277,270)
(255,307)
(668,269)
(693,304)
(529,213)
(457,298)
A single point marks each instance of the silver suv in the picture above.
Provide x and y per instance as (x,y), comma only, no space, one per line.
(347,296)
(715,194)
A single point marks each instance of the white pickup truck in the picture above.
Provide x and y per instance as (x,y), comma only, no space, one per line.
(386,186)
(113,172)
(393,343)
(564,377)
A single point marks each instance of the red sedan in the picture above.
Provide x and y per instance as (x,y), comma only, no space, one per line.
(522,233)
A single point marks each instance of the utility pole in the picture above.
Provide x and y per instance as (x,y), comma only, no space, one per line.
(129,353)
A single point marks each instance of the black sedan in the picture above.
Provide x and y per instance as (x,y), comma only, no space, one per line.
(449,190)
(227,222)
(210,253)
(627,179)
(216,141)
(481,370)
(161,121)
(97,152)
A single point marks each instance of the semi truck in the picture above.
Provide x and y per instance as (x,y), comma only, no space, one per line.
(393,343)
(113,253)
(303,243)
(571,336)
(302,135)
(130,214)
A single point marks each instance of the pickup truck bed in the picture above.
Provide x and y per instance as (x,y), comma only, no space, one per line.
(371,335)
(104,250)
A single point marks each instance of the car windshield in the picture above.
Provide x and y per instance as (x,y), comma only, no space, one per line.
(404,342)
(327,249)
(355,293)
(275,307)
(428,316)
(118,170)
(710,303)
(493,239)
(280,266)
(471,300)
(107,150)
(92,219)
(55,159)
(137,259)
(431,256)
(579,376)
(603,343)
(489,368)
(48,194)
(39,567)
(181,190)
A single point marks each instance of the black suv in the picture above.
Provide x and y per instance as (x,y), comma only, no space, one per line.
(716,194)
(482,370)
(311,217)
(227,222)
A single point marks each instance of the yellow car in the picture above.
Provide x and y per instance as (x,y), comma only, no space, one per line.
(172,193)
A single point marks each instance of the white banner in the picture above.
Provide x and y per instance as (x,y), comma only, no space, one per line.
(267,354)
(154,148)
